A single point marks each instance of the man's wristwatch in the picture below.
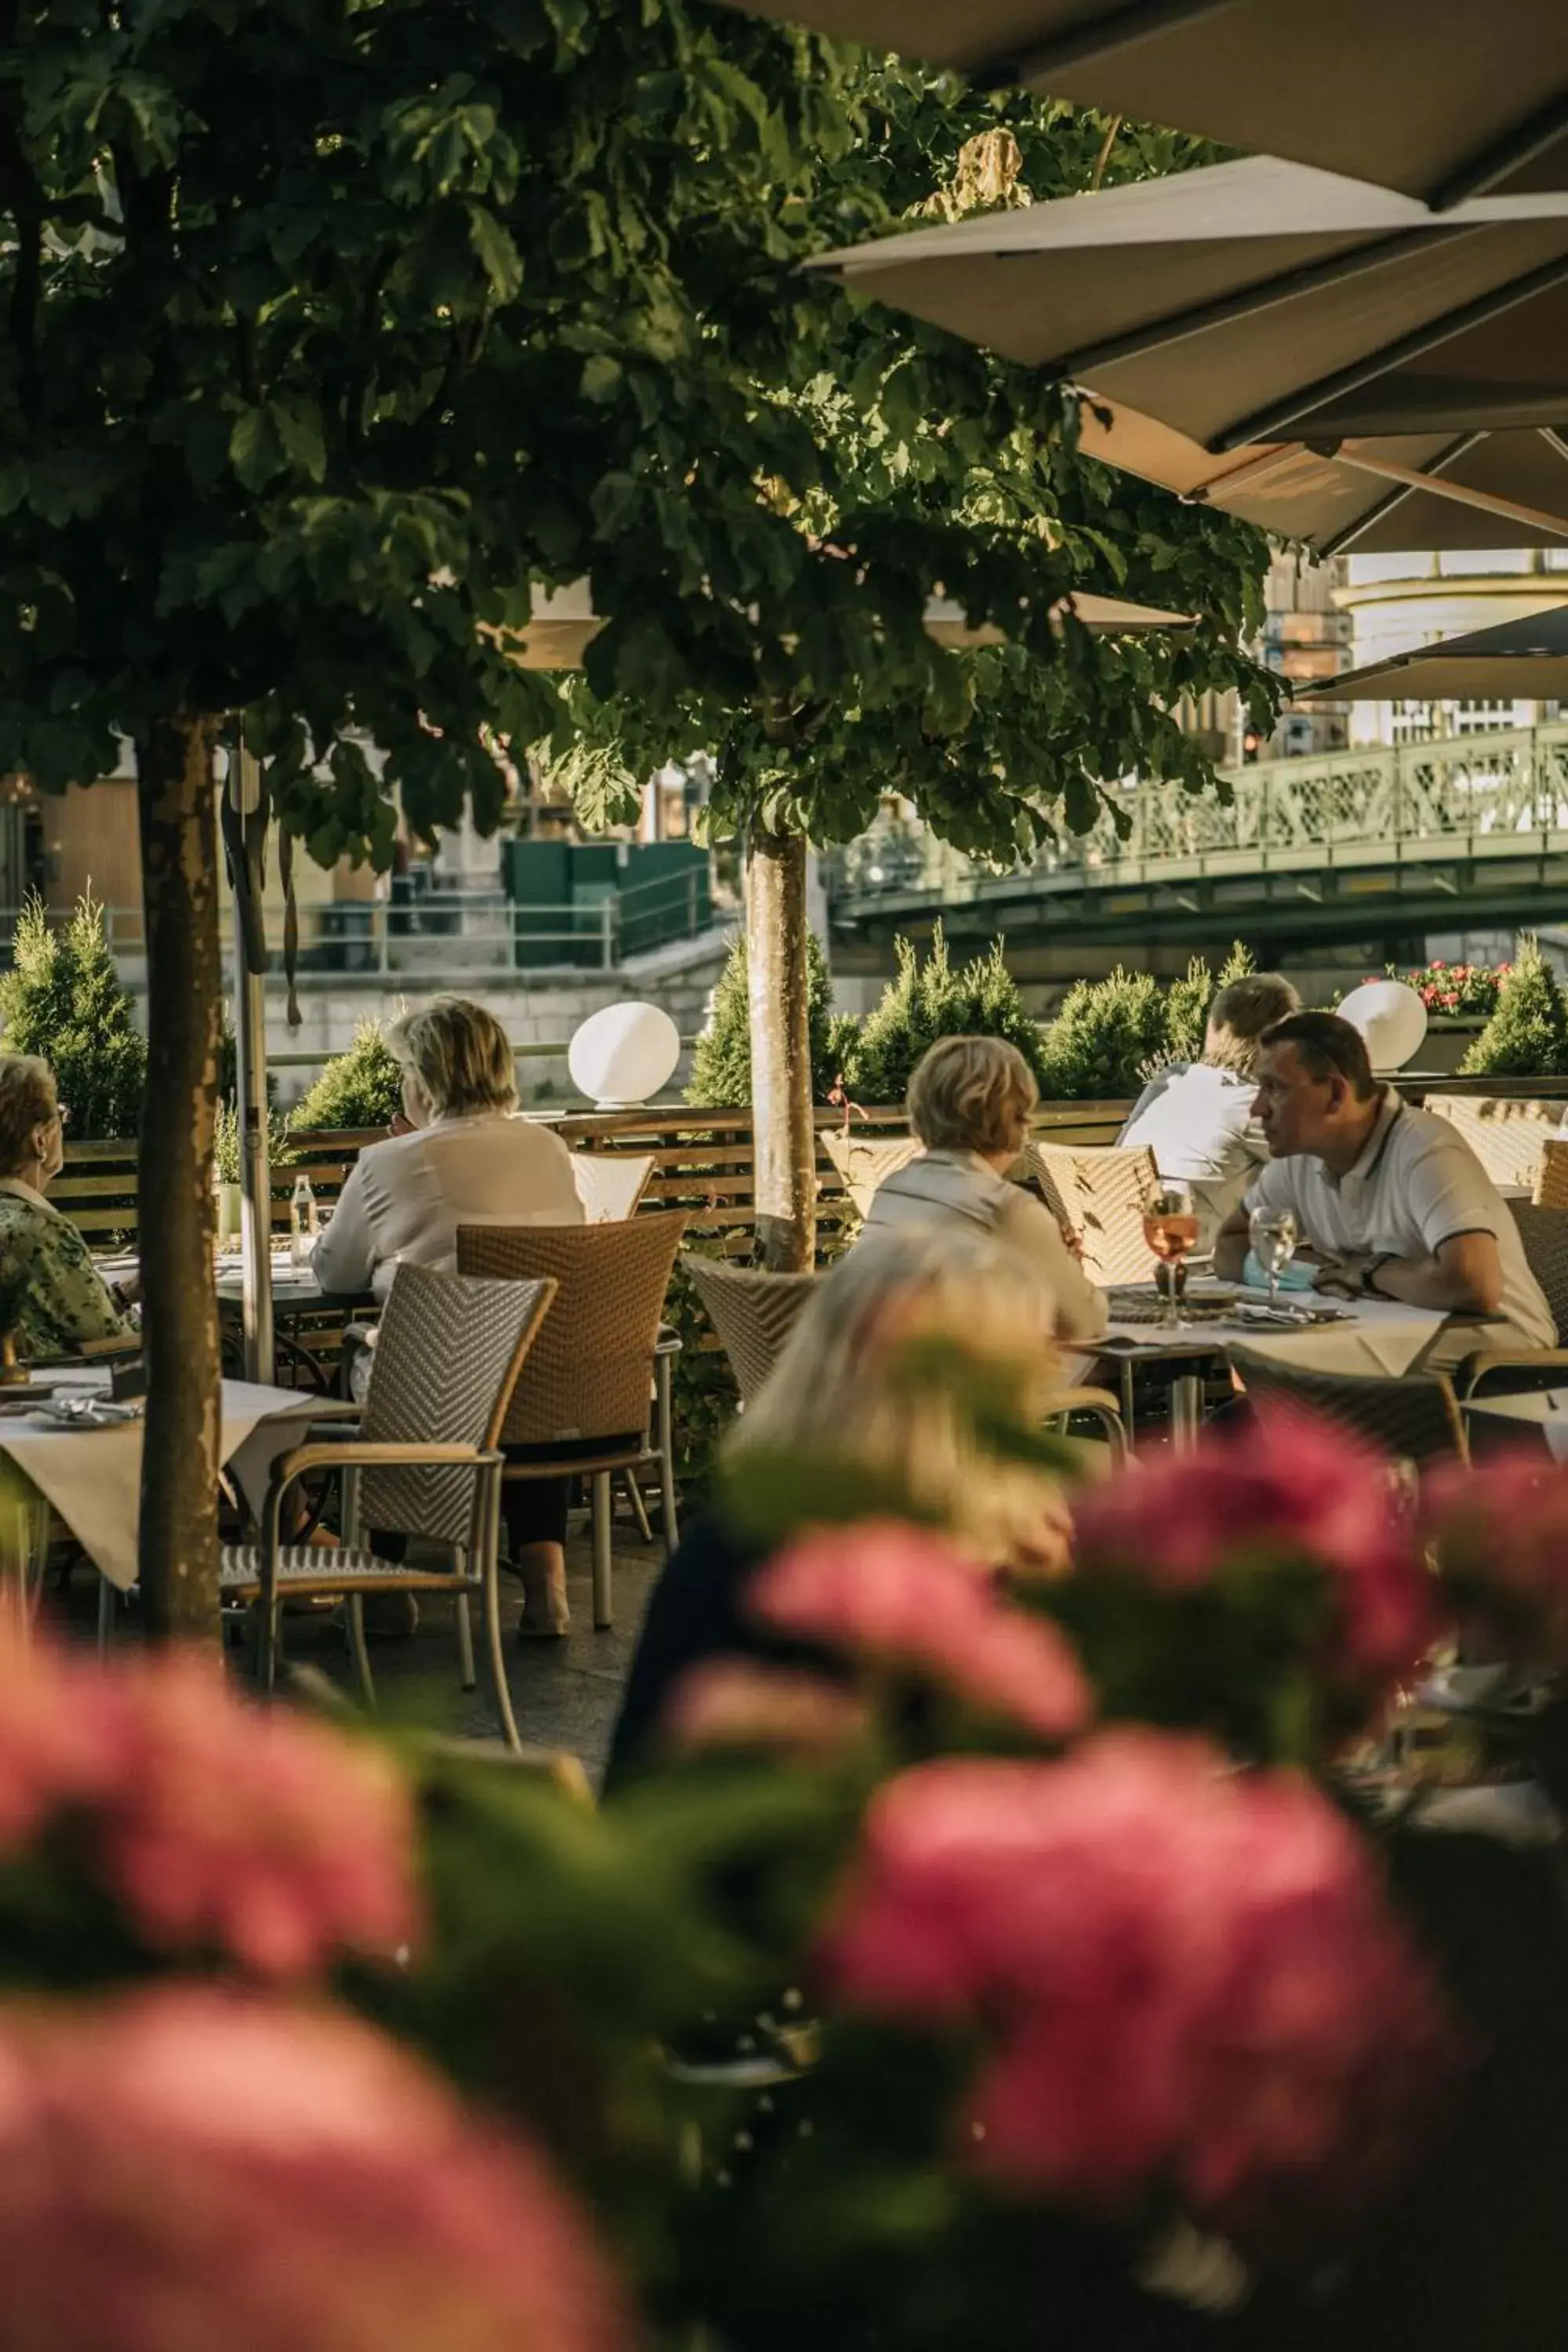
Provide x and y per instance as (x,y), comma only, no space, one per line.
(1368,1270)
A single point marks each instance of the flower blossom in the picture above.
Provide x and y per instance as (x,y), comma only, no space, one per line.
(1500,1529)
(729,1702)
(185,2169)
(1286,1488)
(219,1826)
(902,1596)
(1182,1976)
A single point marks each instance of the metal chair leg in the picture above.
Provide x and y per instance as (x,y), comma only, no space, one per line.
(639,1508)
(663,1389)
(466,1643)
(603,1605)
(492,1626)
(355,1614)
(107,1598)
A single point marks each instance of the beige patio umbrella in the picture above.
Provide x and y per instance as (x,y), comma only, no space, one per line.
(1517,661)
(1327,360)
(1442,99)
(563,622)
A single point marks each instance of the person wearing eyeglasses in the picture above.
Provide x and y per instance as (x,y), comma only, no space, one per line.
(66,1302)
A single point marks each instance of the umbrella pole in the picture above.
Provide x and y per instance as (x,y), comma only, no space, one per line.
(250,1075)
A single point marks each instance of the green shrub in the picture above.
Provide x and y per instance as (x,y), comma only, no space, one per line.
(63,999)
(721,1065)
(927,1000)
(1106,1030)
(363,1087)
(1238,964)
(225,1142)
(1187,1003)
(1527,1036)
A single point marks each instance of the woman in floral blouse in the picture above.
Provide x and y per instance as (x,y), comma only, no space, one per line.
(66,1303)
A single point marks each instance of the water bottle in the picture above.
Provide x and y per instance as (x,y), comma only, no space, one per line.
(303,1221)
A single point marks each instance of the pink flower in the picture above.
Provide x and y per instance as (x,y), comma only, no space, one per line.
(1287,1487)
(184,2169)
(737,1703)
(1501,1535)
(221,1827)
(1180,1977)
(903,1597)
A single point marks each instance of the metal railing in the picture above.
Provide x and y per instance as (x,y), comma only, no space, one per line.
(438,934)
(1491,796)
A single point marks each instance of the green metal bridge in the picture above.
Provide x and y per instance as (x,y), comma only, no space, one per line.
(1460,834)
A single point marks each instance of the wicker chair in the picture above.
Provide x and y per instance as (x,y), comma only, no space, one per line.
(426,1462)
(610,1185)
(1544,1233)
(1505,1132)
(600,1361)
(752,1313)
(864,1162)
(1102,1195)
(1413,1419)
(1551,1175)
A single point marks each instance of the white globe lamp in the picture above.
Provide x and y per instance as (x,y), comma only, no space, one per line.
(624,1053)
(1392,1020)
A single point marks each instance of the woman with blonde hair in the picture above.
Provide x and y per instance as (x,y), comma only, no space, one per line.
(1196,1116)
(66,1306)
(844,1394)
(969,1104)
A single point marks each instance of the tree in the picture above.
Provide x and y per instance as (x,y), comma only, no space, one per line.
(62,998)
(721,1063)
(1527,1036)
(330,325)
(913,462)
(927,1000)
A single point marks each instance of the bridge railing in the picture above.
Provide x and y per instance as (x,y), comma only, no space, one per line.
(1492,790)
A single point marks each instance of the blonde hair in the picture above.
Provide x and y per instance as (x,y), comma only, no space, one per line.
(460,1055)
(971,1094)
(27,1101)
(1238,1016)
(835,1389)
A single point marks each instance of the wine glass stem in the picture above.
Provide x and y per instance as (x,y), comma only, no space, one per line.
(1273,1287)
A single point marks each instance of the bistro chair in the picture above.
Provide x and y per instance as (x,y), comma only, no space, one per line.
(1544,1233)
(425,1464)
(1413,1419)
(1551,1175)
(865,1162)
(610,1185)
(753,1313)
(1506,1132)
(603,1361)
(1101,1194)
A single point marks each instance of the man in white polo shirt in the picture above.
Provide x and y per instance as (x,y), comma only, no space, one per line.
(1390,1202)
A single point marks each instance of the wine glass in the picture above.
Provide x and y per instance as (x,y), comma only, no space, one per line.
(1171,1230)
(1271,1234)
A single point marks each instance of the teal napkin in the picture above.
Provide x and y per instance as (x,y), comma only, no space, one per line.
(1295,1277)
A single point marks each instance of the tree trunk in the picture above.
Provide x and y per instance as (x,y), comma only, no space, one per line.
(180,885)
(784,1133)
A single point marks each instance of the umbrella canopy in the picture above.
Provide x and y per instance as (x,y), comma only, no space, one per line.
(565,622)
(1434,97)
(1293,346)
(1523,661)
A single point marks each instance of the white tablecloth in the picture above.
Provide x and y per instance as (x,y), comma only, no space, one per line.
(1377,1336)
(93,1476)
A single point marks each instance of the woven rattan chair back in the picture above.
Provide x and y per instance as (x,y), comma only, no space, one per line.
(591,1374)
(610,1183)
(1551,1175)
(1505,1134)
(864,1162)
(445,1361)
(752,1313)
(1414,1418)
(1101,1194)
(1544,1233)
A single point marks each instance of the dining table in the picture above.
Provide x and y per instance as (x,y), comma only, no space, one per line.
(1541,1415)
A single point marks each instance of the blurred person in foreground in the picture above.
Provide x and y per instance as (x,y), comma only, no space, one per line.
(463,1159)
(969,1104)
(1197,1117)
(460,1157)
(1390,1202)
(66,1305)
(840,1399)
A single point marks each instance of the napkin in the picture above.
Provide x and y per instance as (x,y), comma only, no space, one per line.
(1294,1277)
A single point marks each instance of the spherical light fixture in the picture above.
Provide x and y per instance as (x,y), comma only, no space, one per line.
(623,1055)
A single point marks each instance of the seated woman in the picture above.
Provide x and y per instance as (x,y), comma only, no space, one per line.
(1197,1117)
(969,1104)
(465,1159)
(835,1392)
(67,1306)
